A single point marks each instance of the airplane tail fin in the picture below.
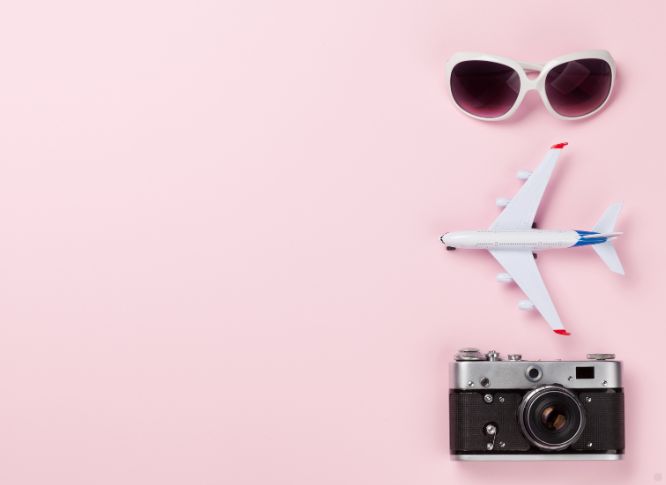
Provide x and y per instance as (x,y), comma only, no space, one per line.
(606,251)
(608,219)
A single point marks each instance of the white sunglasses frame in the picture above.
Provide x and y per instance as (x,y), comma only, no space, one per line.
(537,84)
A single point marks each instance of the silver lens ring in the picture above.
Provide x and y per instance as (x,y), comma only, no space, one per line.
(526,409)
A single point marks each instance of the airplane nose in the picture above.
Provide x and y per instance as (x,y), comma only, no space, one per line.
(444,241)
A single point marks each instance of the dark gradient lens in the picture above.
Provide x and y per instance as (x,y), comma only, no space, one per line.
(483,88)
(578,87)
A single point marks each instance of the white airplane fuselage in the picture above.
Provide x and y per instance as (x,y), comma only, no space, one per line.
(531,239)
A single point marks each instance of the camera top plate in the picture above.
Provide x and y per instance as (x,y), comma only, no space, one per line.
(474,371)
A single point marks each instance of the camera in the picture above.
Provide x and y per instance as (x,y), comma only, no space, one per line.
(515,409)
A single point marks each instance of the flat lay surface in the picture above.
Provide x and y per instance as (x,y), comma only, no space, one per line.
(220,236)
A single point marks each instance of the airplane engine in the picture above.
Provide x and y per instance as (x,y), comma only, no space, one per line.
(502,201)
(526,305)
(504,278)
(523,174)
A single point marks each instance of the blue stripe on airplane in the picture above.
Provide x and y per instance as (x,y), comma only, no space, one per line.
(590,240)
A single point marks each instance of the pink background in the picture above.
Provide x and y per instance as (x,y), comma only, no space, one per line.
(220,221)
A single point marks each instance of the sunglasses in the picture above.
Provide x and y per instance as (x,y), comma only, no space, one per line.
(491,88)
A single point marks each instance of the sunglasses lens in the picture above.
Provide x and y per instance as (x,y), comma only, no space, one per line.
(485,89)
(578,87)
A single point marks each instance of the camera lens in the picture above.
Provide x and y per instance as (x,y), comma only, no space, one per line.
(551,417)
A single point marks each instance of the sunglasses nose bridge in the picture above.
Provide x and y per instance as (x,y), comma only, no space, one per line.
(531,84)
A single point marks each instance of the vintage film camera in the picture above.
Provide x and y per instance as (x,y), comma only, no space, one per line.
(515,409)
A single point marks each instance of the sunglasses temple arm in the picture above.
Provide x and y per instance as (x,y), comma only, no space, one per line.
(530,66)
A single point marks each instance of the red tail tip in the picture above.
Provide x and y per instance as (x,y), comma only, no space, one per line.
(561,332)
(559,146)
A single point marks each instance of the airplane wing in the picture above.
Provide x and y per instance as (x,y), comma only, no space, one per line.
(519,213)
(523,269)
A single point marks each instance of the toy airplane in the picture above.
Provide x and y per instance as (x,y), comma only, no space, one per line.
(514,240)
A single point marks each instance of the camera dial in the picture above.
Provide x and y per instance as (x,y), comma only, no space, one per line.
(601,356)
(470,353)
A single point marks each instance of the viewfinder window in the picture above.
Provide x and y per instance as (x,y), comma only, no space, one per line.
(584,372)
